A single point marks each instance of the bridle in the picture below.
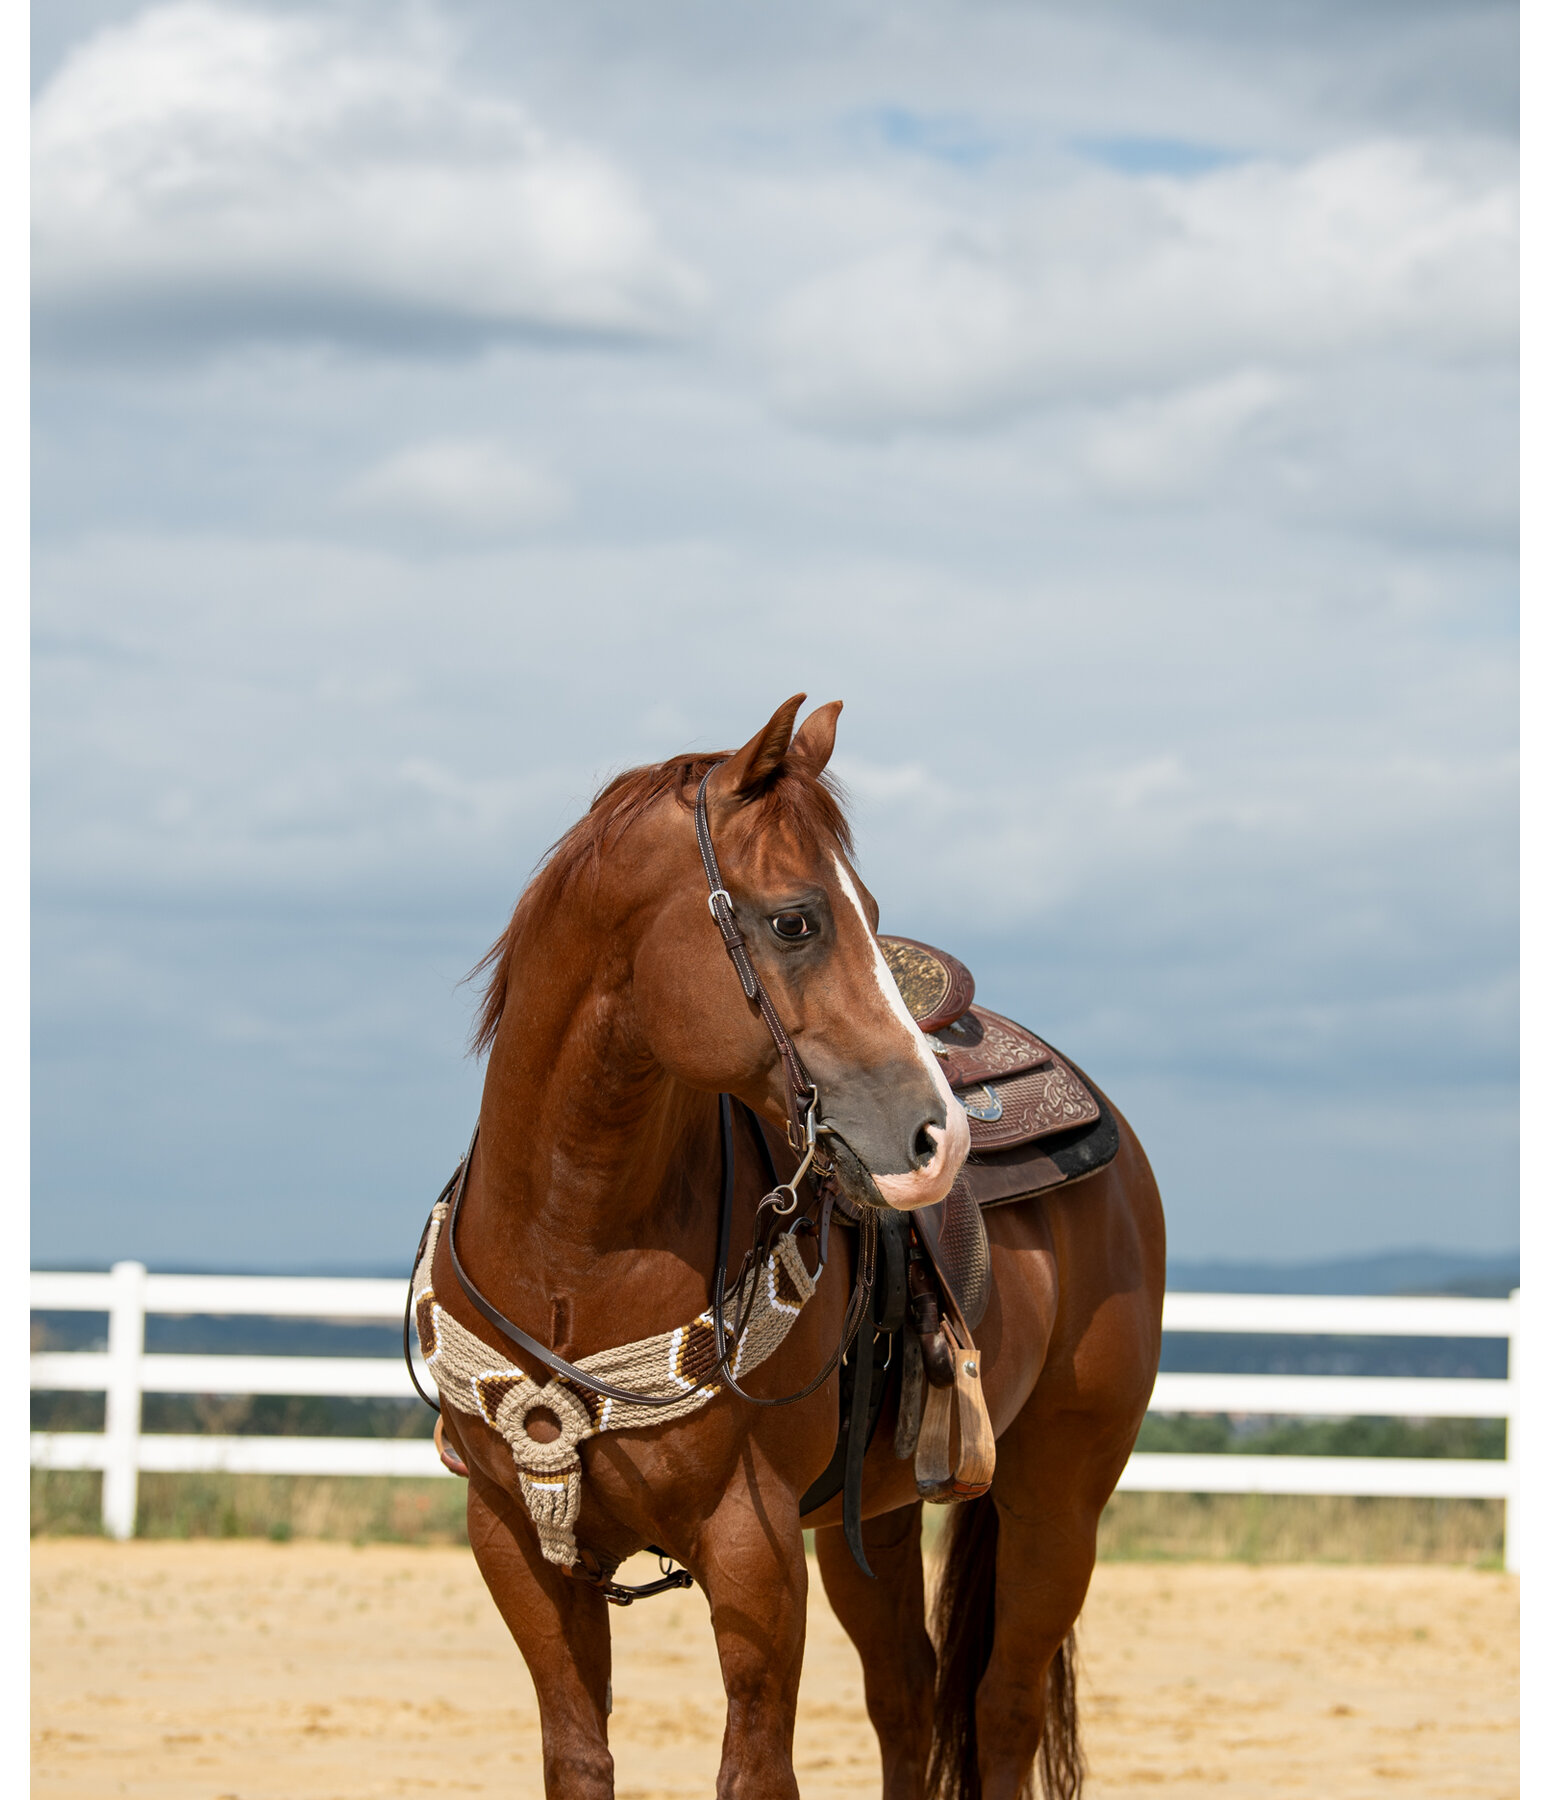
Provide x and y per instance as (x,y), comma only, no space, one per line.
(802,1130)
(802,1127)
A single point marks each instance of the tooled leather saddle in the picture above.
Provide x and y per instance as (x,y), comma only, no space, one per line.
(1035,1123)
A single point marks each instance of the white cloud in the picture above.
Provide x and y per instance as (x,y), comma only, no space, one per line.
(250,171)
(1182,705)
(463,484)
(1155,447)
(1109,286)
(894,784)
(1193,826)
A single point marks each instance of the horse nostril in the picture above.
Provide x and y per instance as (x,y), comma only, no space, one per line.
(925,1144)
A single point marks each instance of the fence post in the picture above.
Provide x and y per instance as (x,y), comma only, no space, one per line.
(1512,1526)
(126,1345)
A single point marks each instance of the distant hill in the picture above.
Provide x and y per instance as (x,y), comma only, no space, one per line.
(1384,1272)
(1415,1271)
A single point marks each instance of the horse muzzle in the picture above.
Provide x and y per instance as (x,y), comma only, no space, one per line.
(938,1147)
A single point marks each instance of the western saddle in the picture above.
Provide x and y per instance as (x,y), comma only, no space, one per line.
(1034,1123)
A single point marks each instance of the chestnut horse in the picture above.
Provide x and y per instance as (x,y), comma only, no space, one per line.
(590,1214)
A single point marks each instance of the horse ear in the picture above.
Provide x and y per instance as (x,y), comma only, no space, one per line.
(744,774)
(814,741)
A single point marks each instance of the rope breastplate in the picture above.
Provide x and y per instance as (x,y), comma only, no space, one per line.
(473,1379)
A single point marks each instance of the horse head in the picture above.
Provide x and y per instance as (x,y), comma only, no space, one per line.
(895,1133)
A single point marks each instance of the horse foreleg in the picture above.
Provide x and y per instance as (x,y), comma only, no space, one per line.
(561,1628)
(750,1560)
(886,1621)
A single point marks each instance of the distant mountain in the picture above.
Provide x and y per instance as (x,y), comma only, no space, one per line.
(1384,1272)
(1415,1271)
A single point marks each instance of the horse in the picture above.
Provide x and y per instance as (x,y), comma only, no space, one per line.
(587,1216)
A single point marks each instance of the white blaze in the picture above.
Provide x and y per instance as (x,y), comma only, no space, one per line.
(919,1187)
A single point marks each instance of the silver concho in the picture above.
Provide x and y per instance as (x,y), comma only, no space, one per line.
(982,1103)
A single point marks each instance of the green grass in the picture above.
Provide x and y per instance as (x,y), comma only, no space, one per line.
(352,1509)
(1483,1439)
(1248,1528)
(1291,1528)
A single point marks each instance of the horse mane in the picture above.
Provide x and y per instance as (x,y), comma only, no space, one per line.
(810,805)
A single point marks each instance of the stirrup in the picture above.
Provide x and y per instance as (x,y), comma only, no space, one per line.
(938,1475)
(622,1593)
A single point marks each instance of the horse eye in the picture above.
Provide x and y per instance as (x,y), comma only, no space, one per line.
(791,925)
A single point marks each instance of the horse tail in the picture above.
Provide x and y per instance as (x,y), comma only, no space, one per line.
(963,1628)
(1061,1765)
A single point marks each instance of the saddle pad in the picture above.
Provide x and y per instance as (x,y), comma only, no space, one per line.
(937,988)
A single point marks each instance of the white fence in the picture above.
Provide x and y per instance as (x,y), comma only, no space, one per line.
(125,1371)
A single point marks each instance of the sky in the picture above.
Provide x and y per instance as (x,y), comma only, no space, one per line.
(438,408)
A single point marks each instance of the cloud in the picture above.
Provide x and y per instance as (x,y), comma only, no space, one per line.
(1155,156)
(220,170)
(1109,286)
(1158,447)
(470,485)
(1219,842)
(1181,703)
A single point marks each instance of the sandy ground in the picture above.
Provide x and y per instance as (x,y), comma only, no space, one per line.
(245,1671)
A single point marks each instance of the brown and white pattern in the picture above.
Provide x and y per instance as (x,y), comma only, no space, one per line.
(472,1380)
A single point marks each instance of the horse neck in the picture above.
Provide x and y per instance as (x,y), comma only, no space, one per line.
(586,1145)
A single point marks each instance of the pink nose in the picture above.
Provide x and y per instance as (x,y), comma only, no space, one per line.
(926,1185)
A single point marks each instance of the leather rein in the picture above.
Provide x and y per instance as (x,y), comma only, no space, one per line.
(802,1131)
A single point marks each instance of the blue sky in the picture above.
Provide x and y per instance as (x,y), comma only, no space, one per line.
(440,407)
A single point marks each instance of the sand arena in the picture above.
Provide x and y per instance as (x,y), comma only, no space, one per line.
(317,1671)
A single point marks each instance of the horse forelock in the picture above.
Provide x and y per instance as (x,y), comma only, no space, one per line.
(796,803)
